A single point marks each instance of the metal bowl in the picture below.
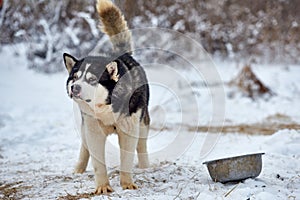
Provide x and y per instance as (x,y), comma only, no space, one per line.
(235,168)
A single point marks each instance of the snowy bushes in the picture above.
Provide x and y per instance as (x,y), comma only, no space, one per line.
(261,30)
(49,28)
(266,31)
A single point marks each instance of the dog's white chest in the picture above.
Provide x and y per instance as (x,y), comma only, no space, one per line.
(105,114)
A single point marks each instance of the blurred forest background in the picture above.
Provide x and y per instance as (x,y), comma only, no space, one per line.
(264,31)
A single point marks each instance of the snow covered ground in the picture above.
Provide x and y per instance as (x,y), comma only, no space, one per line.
(39,141)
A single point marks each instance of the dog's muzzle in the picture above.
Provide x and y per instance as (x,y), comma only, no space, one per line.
(76,90)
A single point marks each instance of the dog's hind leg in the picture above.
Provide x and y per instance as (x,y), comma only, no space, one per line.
(128,142)
(84,154)
(142,146)
(83,159)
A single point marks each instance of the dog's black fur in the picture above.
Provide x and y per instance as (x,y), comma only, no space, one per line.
(126,96)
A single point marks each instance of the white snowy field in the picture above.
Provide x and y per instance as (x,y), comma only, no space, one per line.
(39,142)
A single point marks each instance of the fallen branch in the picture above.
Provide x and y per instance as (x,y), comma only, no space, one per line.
(231,190)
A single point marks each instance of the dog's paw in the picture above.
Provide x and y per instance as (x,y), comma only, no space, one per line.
(129,186)
(80,167)
(79,170)
(104,189)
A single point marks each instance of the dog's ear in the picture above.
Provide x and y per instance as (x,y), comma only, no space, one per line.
(69,61)
(112,69)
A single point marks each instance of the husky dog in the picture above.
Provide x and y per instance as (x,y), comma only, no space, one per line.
(112,93)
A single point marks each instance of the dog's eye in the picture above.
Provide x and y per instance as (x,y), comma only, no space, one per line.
(92,80)
(75,77)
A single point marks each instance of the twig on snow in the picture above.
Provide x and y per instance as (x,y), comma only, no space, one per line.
(178,194)
(231,190)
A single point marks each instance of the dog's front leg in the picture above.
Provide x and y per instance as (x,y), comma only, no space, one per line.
(128,143)
(95,139)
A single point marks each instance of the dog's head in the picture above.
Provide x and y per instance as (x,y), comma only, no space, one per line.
(91,79)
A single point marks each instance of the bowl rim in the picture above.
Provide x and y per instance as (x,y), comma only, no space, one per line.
(234,157)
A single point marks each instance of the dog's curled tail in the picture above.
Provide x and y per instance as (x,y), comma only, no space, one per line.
(115,26)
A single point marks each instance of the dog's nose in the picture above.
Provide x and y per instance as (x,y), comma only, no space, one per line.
(76,89)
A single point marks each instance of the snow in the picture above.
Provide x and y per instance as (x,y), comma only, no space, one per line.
(39,141)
